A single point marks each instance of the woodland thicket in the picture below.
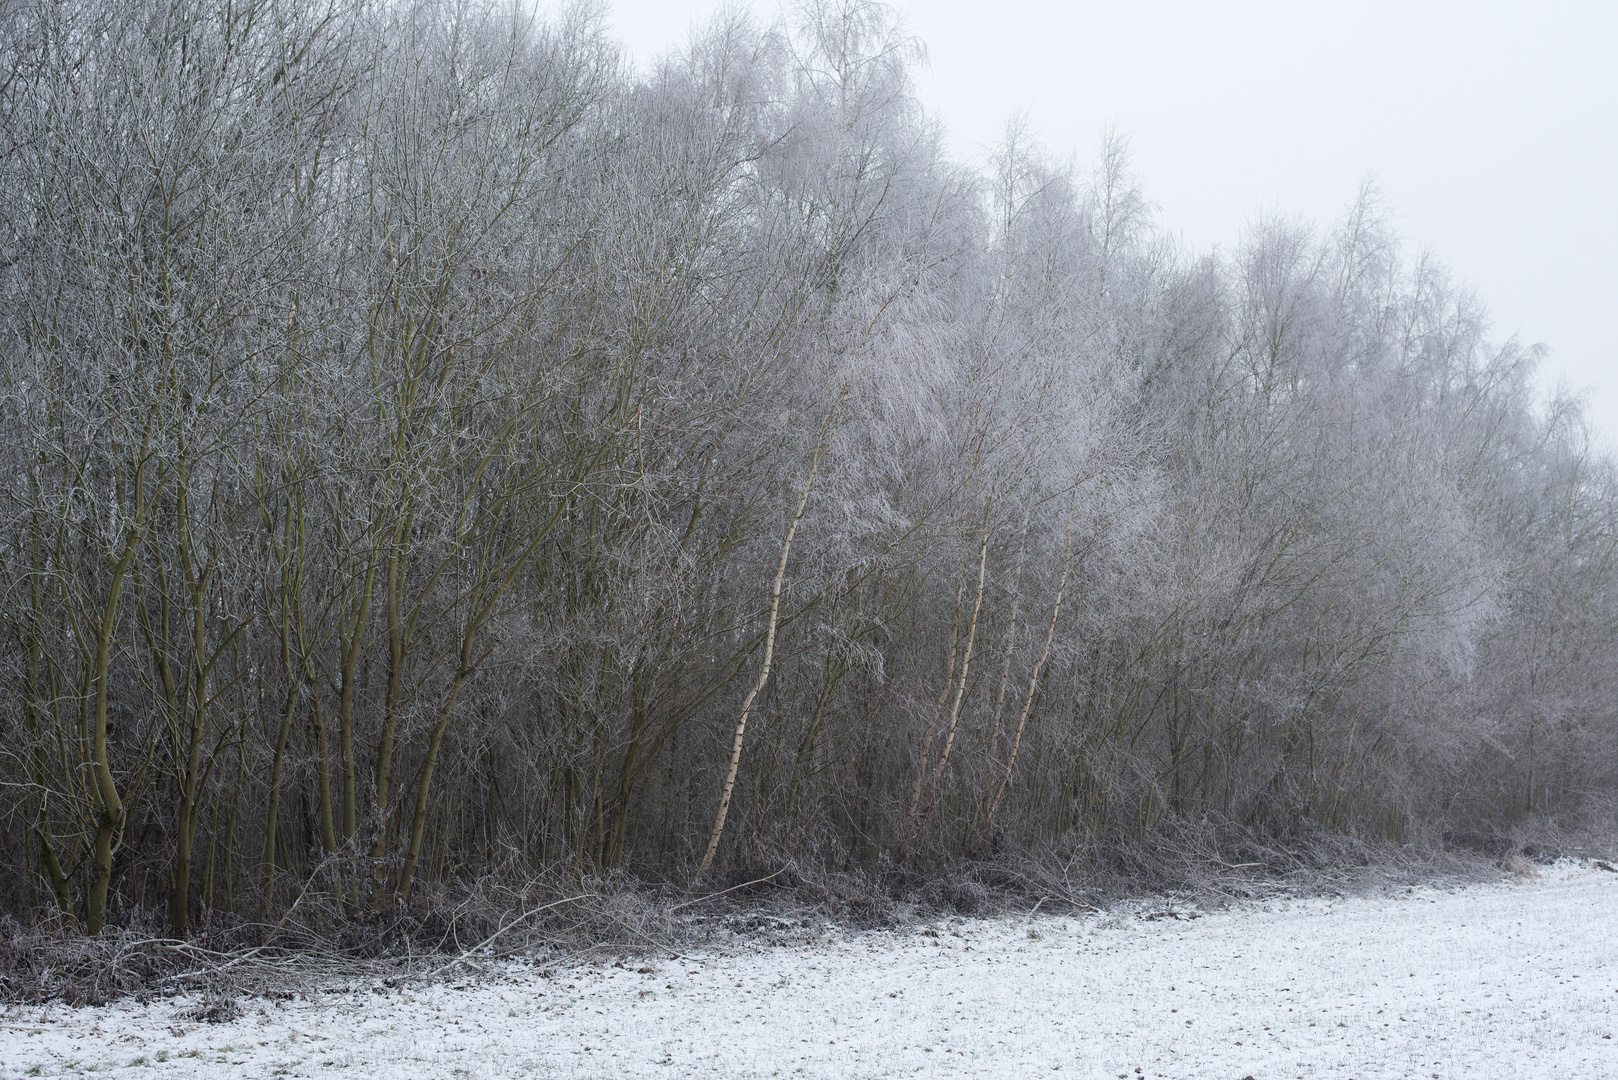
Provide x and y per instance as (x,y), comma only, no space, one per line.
(430,448)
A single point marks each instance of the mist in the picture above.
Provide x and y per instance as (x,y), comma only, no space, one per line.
(440,452)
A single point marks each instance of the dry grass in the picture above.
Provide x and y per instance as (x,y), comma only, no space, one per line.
(442,934)
(456,931)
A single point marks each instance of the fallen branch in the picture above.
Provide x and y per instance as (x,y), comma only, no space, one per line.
(733,888)
(469,953)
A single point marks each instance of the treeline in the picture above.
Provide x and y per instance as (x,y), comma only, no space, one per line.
(431,449)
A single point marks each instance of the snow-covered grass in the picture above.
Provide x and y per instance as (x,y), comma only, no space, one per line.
(1514,979)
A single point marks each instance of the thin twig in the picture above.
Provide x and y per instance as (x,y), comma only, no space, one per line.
(733,888)
(467,955)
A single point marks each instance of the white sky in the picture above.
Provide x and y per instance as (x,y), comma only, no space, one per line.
(1492,128)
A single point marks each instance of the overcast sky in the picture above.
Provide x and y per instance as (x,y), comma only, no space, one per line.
(1491,128)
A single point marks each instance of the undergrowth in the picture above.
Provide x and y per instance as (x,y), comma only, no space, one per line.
(324,939)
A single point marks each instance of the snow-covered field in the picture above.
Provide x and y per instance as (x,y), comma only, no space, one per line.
(1516,979)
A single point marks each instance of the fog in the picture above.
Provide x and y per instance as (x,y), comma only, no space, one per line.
(443,461)
(1491,128)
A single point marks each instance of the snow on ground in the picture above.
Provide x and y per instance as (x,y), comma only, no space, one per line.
(1516,979)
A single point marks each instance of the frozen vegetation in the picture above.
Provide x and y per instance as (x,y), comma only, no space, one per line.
(1515,979)
(443,467)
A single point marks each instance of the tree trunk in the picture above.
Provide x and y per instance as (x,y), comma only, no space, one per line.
(769,654)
